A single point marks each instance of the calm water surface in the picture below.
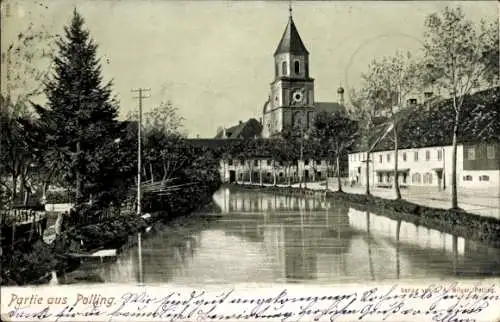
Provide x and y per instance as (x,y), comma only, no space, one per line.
(262,237)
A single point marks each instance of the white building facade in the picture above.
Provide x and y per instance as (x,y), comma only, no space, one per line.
(266,170)
(478,166)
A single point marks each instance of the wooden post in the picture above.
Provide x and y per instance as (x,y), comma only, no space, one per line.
(32,230)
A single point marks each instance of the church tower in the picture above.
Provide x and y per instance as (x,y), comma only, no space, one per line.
(291,101)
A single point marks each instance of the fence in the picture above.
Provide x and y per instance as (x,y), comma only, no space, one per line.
(21,223)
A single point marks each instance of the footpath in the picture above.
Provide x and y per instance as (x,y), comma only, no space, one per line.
(477,201)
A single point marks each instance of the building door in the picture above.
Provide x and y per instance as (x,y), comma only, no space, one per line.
(306,175)
(439,174)
(232,176)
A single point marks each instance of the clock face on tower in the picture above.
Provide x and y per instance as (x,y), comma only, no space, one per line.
(298,96)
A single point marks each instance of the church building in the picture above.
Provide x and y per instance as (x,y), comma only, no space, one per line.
(291,105)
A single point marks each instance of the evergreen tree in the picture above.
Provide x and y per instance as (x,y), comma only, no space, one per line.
(81,116)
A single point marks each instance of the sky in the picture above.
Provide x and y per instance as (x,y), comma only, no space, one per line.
(214,59)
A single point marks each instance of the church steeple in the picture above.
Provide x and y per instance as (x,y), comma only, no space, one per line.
(290,42)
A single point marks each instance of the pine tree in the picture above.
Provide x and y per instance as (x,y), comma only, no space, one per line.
(80,118)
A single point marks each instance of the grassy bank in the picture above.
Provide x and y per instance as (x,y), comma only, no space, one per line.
(456,222)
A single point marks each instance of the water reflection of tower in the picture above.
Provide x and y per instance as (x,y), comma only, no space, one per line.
(300,256)
(317,239)
(334,241)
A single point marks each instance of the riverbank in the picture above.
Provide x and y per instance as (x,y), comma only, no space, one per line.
(456,222)
(32,263)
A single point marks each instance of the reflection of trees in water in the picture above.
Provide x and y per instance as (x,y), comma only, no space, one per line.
(163,253)
(167,253)
(421,250)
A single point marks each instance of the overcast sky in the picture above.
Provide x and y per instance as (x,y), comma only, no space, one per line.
(214,59)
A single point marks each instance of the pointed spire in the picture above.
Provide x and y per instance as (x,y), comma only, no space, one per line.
(291,41)
(290,7)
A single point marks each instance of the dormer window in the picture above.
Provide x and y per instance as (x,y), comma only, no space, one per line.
(297,67)
(283,68)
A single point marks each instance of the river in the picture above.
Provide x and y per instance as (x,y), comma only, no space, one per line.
(265,237)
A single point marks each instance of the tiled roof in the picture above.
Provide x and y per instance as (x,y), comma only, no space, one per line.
(243,130)
(329,107)
(290,41)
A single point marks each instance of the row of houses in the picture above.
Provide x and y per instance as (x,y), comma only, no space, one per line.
(267,170)
(478,166)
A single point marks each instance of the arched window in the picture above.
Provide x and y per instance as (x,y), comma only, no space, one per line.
(428,178)
(297,67)
(468,178)
(415,178)
(283,68)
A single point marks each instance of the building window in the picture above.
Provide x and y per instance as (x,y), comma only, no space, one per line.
(440,155)
(484,178)
(380,180)
(297,67)
(428,178)
(490,151)
(283,68)
(268,162)
(467,178)
(427,155)
(281,174)
(230,162)
(318,162)
(280,163)
(415,156)
(471,154)
(405,175)
(404,156)
(380,158)
(306,162)
(388,157)
(255,162)
(415,178)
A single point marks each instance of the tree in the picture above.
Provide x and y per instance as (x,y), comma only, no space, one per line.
(455,62)
(362,108)
(25,62)
(337,133)
(162,127)
(81,116)
(490,51)
(164,118)
(389,81)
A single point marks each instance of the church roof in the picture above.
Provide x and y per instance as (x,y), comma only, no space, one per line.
(329,107)
(290,41)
